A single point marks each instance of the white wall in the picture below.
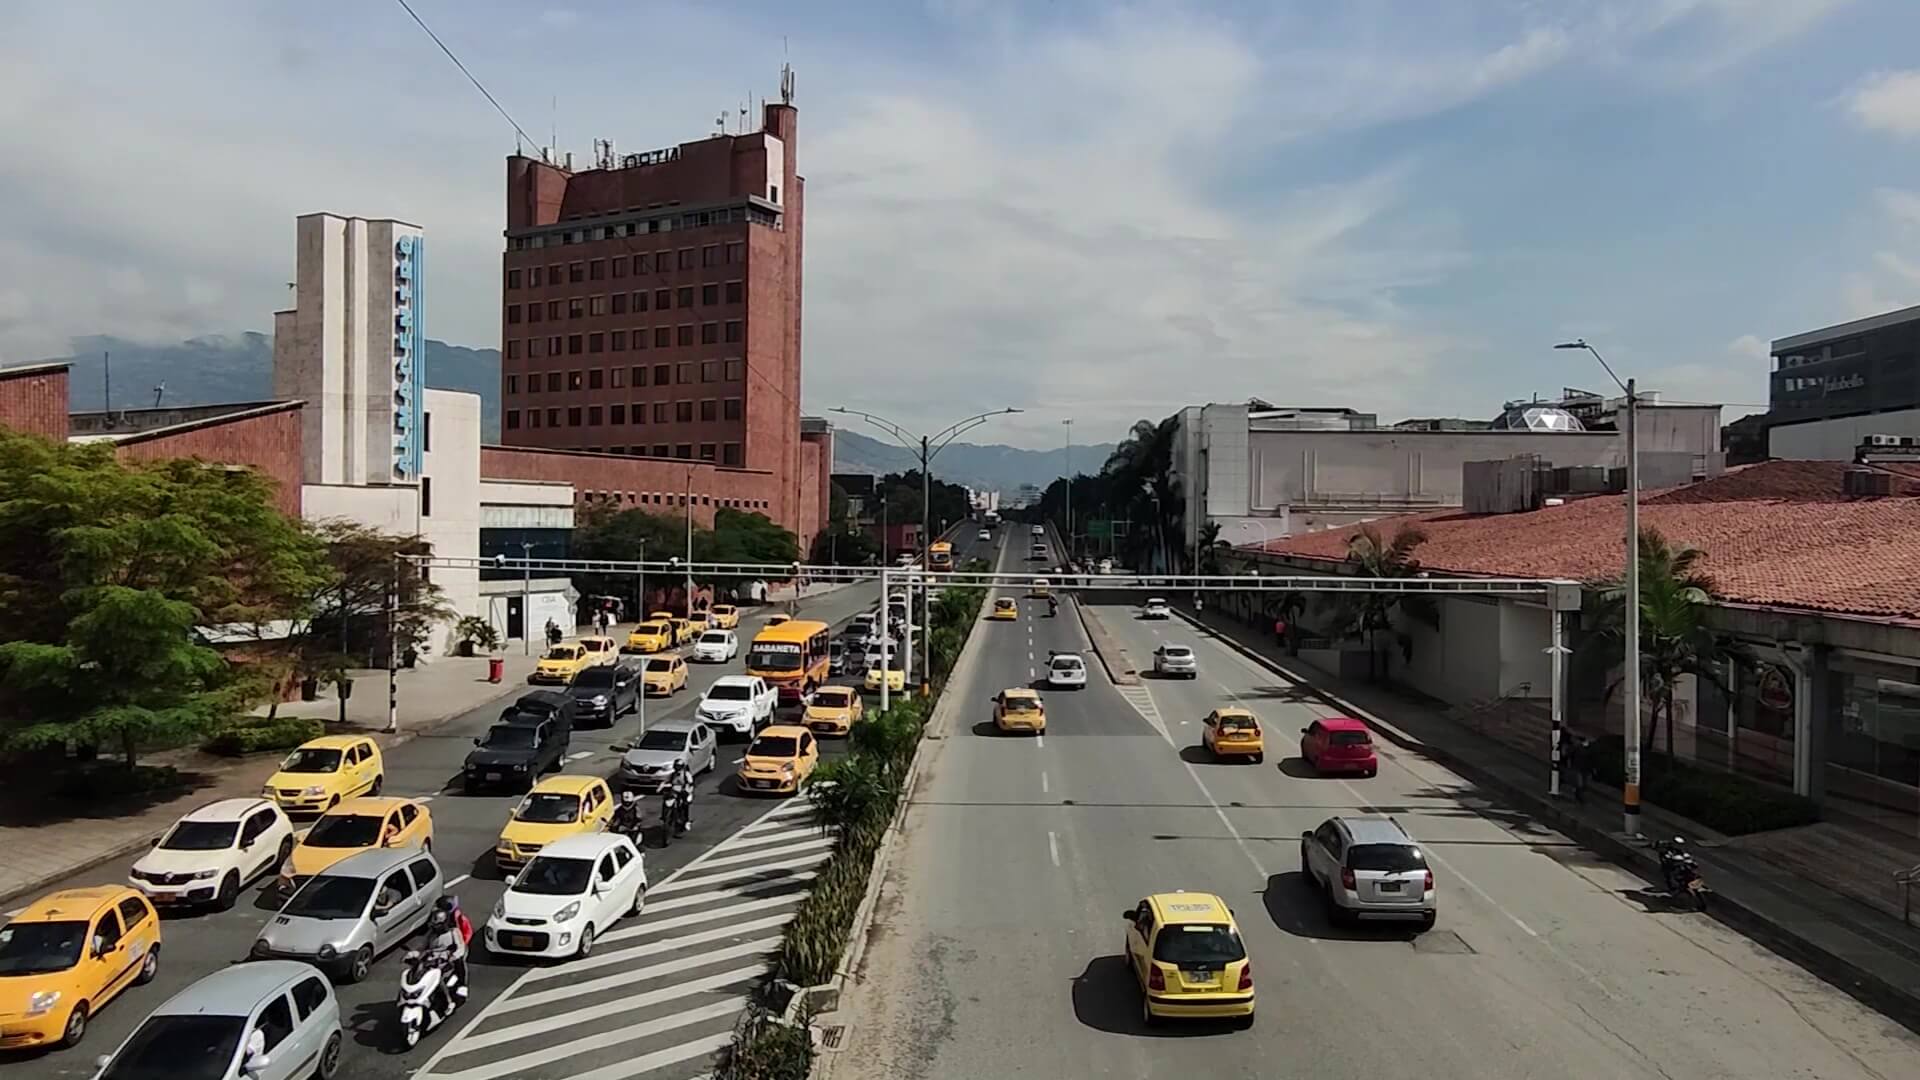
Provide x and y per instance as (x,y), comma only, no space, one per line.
(394,509)
(546,599)
(514,504)
(451,469)
(1836,440)
(1523,657)
(1397,469)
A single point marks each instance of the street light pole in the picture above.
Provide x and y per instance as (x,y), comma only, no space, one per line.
(1069,426)
(1630,727)
(689,543)
(393,650)
(526,597)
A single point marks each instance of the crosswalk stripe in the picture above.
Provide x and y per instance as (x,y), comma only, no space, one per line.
(493,1070)
(659,1059)
(770,836)
(602,958)
(735,873)
(816,840)
(701,898)
(515,1032)
(729,912)
(778,818)
(757,947)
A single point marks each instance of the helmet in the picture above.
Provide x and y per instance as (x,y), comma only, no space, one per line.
(628,796)
(439,920)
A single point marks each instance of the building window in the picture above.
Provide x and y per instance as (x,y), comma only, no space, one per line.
(596,343)
(596,270)
(709,295)
(730,454)
(639,413)
(736,291)
(426,496)
(576,307)
(730,409)
(735,331)
(685,334)
(710,333)
(426,432)
(593,416)
(639,300)
(573,416)
(616,414)
(553,274)
(553,346)
(597,305)
(513,349)
(662,299)
(553,311)
(533,277)
(619,303)
(709,409)
(736,252)
(708,451)
(659,450)
(553,417)
(683,411)
(596,377)
(575,380)
(576,344)
(620,267)
(513,385)
(662,375)
(640,337)
(617,377)
(662,337)
(684,450)
(553,382)
(773,193)
(736,370)
(685,259)
(642,264)
(639,373)
(617,344)
(684,296)
(513,279)
(533,313)
(513,314)
(533,347)
(576,272)
(659,412)
(710,255)
(709,370)
(513,419)
(533,418)
(683,372)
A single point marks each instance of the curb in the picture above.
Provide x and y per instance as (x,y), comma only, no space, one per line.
(1119,671)
(1895,1002)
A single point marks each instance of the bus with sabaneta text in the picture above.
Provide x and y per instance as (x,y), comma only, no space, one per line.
(940,556)
(792,657)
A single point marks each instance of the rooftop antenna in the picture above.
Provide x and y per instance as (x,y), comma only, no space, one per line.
(159,392)
(553,121)
(786,81)
(720,124)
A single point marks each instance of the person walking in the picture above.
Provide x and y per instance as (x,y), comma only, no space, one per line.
(1573,768)
(1279,631)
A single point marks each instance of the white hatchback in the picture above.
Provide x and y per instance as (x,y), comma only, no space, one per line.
(1066,670)
(573,891)
(211,853)
(1157,609)
(716,647)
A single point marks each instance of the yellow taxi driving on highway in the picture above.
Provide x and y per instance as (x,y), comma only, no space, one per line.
(600,649)
(893,673)
(355,826)
(1005,608)
(323,772)
(1039,588)
(651,636)
(1019,708)
(833,710)
(561,663)
(779,760)
(1185,952)
(66,955)
(665,676)
(556,807)
(723,617)
(1233,733)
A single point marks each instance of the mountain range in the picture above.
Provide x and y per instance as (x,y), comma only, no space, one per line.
(222,368)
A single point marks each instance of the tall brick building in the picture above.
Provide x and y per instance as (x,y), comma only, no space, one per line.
(650,308)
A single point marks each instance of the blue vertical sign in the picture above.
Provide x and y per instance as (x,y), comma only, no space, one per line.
(409,355)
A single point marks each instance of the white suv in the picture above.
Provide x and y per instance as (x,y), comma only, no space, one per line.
(210,854)
(1157,609)
(1066,670)
(741,704)
(716,647)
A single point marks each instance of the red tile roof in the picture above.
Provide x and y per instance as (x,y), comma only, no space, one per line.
(1780,533)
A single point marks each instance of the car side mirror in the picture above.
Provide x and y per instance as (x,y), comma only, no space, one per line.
(1128,915)
(1307,835)
(1305,731)
(256,1064)
(102,1062)
(511,878)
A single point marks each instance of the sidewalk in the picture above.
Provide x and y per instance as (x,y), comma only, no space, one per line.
(47,843)
(1800,892)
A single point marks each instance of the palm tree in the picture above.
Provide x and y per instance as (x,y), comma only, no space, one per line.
(1376,558)
(1210,548)
(1674,638)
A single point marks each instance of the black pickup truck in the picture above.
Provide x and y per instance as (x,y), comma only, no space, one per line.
(513,755)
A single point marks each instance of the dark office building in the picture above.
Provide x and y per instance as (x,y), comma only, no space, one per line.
(1866,366)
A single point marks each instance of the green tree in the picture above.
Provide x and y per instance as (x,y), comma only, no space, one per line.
(1369,613)
(843,545)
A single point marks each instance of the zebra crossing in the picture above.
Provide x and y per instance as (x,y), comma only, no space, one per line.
(661,993)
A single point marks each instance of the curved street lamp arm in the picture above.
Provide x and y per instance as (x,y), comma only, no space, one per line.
(899,433)
(945,435)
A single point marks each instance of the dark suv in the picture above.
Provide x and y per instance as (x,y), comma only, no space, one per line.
(602,693)
(555,706)
(513,754)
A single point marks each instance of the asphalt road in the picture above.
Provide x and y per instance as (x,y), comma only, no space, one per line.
(1002,954)
(465,828)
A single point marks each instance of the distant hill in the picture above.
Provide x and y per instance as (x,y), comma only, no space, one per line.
(220,368)
(992,467)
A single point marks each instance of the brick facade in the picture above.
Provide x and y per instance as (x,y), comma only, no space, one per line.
(636,483)
(265,439)
(33,399)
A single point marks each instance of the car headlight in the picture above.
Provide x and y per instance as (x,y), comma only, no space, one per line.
(261,948)
(500,909)
(42,1002)
(266,791)
(520,768)
(202,875)
(315,790)
(787,769)
(567,913)
(599,700)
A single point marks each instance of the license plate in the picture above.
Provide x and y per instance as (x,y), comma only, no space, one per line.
(1389,886)
(1202,978)
(519,941)
(493,776)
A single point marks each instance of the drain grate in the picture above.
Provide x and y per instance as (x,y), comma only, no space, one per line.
(1443,943)
(833,1036)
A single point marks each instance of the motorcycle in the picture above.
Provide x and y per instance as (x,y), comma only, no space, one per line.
(1681,873)
(673,816)
(626,818)
(429,994)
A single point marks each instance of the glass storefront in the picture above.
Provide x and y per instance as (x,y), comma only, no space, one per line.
(1748,729)
(1873,740)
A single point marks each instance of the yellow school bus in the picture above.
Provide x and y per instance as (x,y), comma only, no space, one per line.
(792,657)
(940,556)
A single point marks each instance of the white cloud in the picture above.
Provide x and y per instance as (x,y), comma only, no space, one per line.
(1888,101)
(1750,347)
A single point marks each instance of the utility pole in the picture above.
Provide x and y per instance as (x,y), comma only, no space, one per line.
(393,649)
(926,567)
(106,364)
(1069,425)
(637,616)
(886,632)
(689,543)
(526,597)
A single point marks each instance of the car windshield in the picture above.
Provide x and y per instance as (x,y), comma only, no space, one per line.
(31,948)
(1389,858)
(1156,602)
(509,737)
(192,1047)
(310,760)
(661,665)
(723,609)
(1176,652)
(330,896)
(1197,944)
(662,739)
(1229,724)
(564,652)
(546,876)
(650,628)
(729,692)
(201,836)
(594,678)
(1023,704)
(832,699)
(1350,738)
(774,746)
(717,637)
(549,808)
(1067,663)
(897,662)
(774,658)
(1004,605)
(344,831)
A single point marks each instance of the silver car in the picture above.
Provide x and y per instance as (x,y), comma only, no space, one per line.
(215,1021)
(1368,868)
(1172,660)
(649,762)
(353,911)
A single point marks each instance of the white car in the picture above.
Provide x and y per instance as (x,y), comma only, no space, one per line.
(1039,530)
(1066,670)
(1157,609)
(1171,660)
(211,853)
(716,647)
(741,704)
(984,536)
(572,892)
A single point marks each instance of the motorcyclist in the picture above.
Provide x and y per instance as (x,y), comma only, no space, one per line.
(681,785)
(445,947)
(626,816)
(1053,606)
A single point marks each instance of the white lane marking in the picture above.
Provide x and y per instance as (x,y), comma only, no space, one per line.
(738,890)
(740,759)
(732,911)
(1039,742)
(762,838)
(574,988)
(423,798)
(659,1059)
(1043,783)
(15,913)
(578,754)
(458,880)
(672,944)
(814,841)
(1031,673)
(736,873)
(492,1070)
(1053,847)
(515,1032)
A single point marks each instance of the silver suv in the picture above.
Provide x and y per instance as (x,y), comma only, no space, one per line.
(1368,868)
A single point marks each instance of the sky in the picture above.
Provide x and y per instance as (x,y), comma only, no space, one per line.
(1089,211)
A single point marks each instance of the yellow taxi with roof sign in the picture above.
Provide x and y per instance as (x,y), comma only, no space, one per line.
(833,710)
(723,617)
(1019,708)
(1005,608)
(779,760)
(1186,956)
(651,636)
(355,826)
(68,954)
(1233,733)
(564,805)
(561,663)
(320,773)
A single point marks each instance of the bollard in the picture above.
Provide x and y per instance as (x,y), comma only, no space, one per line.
(496,669)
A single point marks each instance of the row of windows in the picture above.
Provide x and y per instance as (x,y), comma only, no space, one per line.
(682,373)
(664,412)
(599,341)
(647,262)
(580,307)
(698,219)
(722,453)
(661,498)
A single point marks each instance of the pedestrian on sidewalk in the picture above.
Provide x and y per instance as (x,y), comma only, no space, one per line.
(1280,632)
(553,633)
(1573,767)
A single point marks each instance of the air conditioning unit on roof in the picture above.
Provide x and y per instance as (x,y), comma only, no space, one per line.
(1881,440)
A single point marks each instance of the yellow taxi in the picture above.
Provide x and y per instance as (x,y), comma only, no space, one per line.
(894,673)
(66,955)
(1185,952)
(651,636)
(353,827)
(1005,608)
(1039,588)
(685,630)
(1232,733)
(323,772)
(557,807)
(1019,708)
(723,617)
(833,710)
(561,664)
(779,760)
(665,676)
(601,649)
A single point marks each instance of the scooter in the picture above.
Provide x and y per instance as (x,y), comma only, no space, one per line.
(429,994)
(1681,873)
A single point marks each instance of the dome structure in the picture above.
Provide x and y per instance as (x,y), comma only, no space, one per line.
(1530,417)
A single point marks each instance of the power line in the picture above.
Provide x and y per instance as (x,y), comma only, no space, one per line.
(497,107)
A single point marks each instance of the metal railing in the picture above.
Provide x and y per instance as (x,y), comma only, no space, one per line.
(1907,879)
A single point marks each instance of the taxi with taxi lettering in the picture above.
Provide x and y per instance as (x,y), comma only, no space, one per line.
(561,663)
(1005,608)
(651,636)
(558,806)
(723,617)
(833,710)
(321,773)
(1019,708)
(1186,956)
(779,760)
(353,827)
(68,954)
(1233,733)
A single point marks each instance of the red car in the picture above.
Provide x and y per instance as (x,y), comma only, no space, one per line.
(1339,744)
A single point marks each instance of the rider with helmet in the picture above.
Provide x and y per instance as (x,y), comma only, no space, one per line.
(681,784)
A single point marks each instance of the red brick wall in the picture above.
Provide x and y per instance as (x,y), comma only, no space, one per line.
(35,402)
(269,443)
(648,484)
